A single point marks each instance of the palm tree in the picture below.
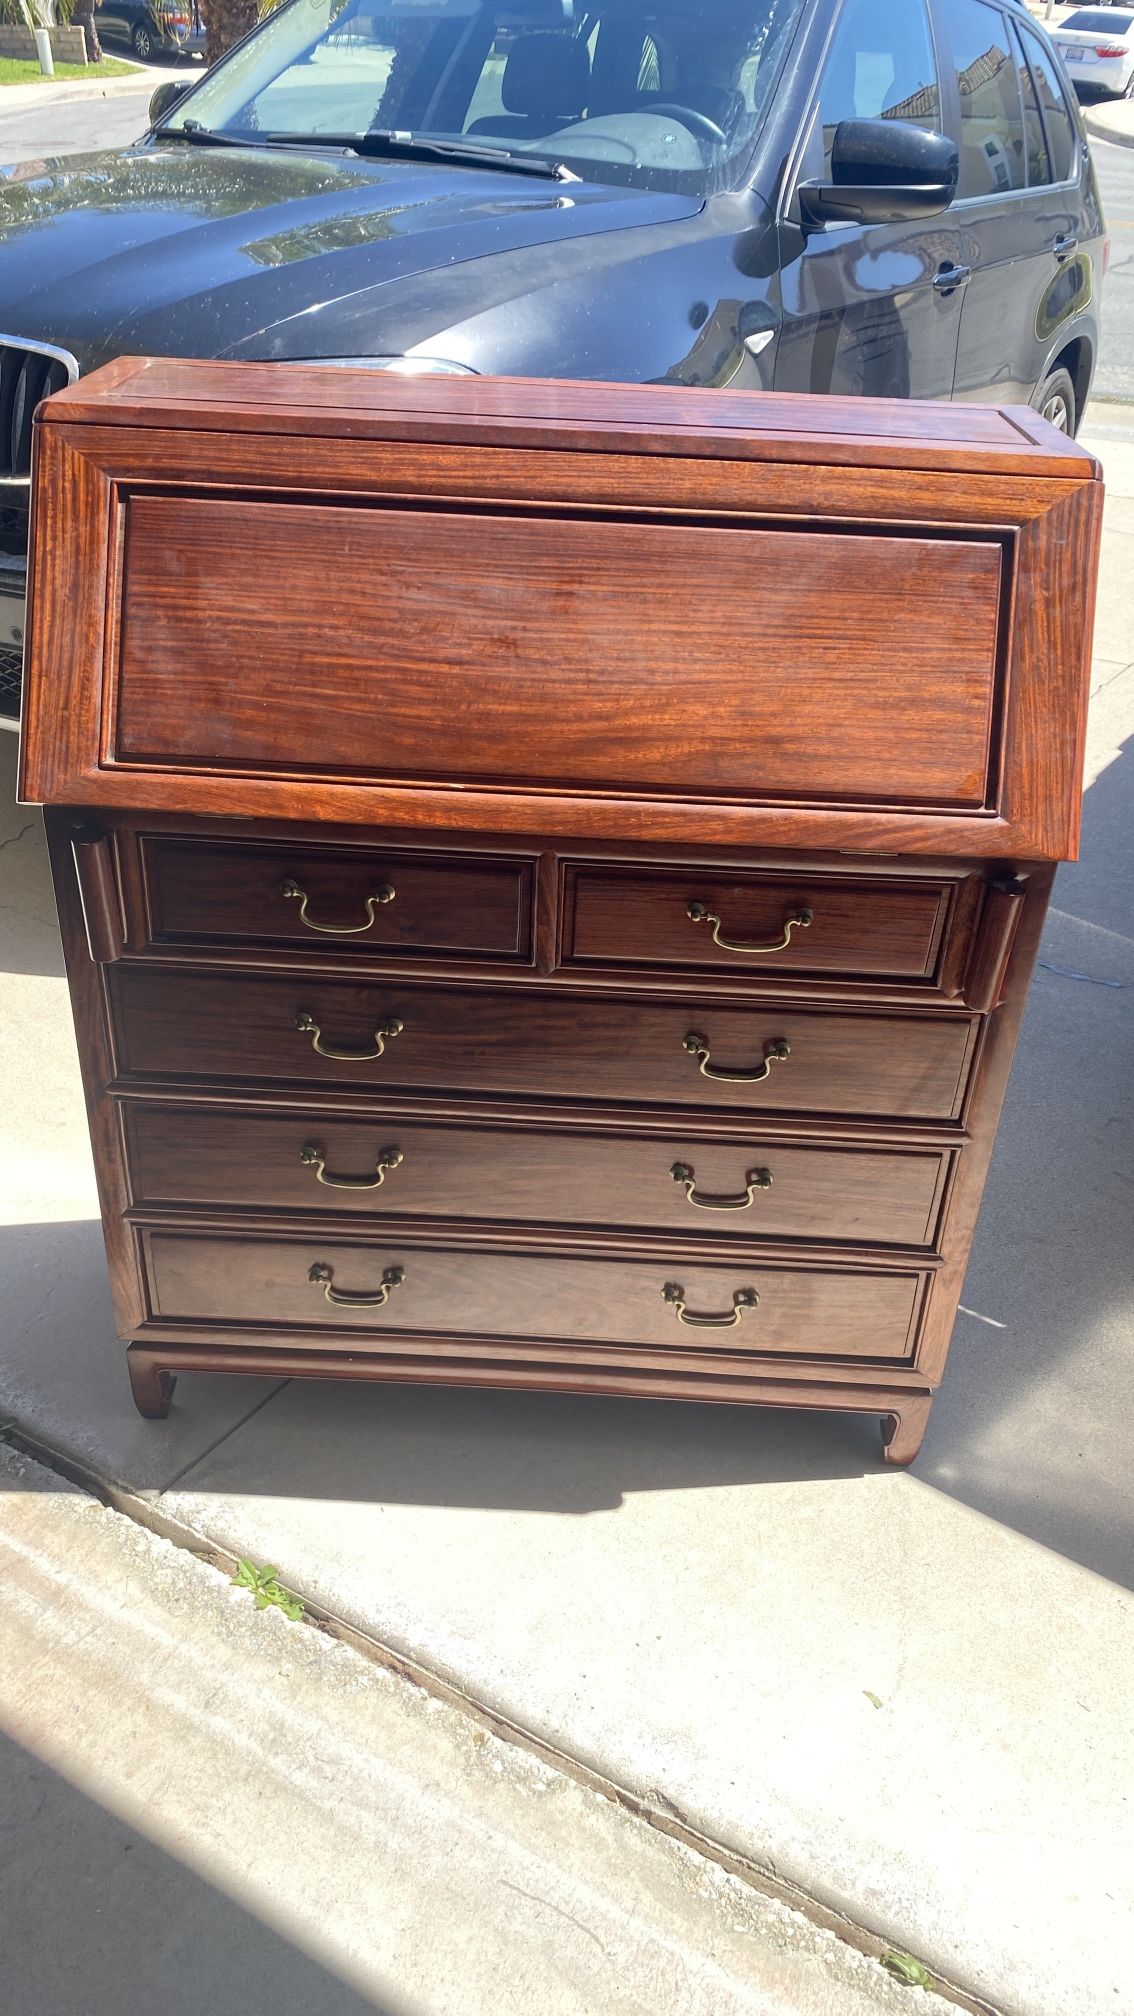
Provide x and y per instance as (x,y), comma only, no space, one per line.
(225,22)
(82,16)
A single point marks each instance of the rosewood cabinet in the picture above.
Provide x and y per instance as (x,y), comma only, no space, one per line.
(550,873)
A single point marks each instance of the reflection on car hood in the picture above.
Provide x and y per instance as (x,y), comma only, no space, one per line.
(197,252)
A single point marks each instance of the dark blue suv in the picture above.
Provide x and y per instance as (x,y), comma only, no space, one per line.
(854,196)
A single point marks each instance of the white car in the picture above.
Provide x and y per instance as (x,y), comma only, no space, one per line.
(1097,45)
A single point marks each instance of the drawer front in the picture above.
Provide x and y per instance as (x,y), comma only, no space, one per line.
(337,900)
(185,1025)
(393,1168)
(329,1285)
(714,921)
(552,652)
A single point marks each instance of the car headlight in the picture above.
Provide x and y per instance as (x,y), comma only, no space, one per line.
(407,367)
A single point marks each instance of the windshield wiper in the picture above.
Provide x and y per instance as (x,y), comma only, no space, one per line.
(202,137)
(383,143)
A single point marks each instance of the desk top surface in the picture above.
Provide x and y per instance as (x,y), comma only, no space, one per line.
(314,400)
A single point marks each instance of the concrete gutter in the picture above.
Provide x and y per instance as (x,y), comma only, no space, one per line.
(244,1813)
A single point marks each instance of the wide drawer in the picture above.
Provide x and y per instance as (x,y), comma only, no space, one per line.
(316,1285)
(397,1168)
(748,921)
(336,900)
(308,1030)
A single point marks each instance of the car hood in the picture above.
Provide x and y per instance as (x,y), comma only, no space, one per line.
(183,250)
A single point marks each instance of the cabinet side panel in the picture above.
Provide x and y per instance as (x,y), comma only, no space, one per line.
(64,658)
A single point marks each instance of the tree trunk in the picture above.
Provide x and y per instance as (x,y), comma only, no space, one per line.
(225,22)
(82,16)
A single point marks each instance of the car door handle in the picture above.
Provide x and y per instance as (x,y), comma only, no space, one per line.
(948,277)
(1064,245)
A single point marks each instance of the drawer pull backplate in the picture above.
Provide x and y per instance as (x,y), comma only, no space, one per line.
(295,894)
(323,1277)
(313,1158)
(744,1298)
(754,1179)
(698,913)
(307,1026)
(775,1052)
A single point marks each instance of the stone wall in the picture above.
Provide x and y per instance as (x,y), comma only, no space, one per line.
(67,44)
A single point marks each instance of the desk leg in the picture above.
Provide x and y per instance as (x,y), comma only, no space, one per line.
(902,1433)
(152,1388)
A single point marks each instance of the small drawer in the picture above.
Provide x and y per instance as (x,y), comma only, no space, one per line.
(777,922)
(640,1311)
(383,1036)
(397,1168)
(337,900)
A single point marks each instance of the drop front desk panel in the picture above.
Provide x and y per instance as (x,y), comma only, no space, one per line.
(550,873)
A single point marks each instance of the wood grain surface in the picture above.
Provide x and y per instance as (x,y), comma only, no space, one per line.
(557,652)
(208,1027)
(635,916)
(253,1161)
(813,1312)
(213,893)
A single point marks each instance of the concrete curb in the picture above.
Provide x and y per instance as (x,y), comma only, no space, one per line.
(13,97)
(1111,122)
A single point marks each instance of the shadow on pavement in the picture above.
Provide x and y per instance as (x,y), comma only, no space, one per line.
(100,1922)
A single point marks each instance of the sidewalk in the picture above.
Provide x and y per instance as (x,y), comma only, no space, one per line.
(1110,119)
(58,91)
(906,1695)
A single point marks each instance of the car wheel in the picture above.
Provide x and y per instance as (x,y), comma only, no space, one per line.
(143,42)
(1055,399)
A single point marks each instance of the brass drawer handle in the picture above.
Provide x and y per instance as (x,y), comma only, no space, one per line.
(798,921)
(755,1179)
(295,894)
(775,1052)
(307,1026)
(323,1276)
(313,1158)
(744,1298)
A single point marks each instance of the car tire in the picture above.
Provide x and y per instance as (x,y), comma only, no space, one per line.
(142,42)
(1055,399)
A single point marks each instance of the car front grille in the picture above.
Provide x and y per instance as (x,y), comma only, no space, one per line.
(10,658)
(28,372)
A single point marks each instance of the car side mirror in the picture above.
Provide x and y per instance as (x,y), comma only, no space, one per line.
(164,99)
(883,171)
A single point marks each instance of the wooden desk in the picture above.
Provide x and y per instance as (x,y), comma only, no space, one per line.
(550,873)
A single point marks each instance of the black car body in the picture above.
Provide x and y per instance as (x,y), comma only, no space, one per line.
(645,190)
(153,27)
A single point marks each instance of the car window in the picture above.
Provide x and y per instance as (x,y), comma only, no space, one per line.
(1040,89)
(663,94)
(880,66)
(1110,22)
(993,141)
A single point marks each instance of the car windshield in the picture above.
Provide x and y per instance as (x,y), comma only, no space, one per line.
(657,94)
(1098,21)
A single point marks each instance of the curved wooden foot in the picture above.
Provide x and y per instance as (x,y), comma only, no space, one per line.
(151,1387)
(902,1433)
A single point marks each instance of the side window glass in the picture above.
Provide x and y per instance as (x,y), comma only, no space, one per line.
(1038,78)
(880,66)
(993,147)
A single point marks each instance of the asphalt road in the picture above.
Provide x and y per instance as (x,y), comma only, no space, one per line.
(1114,377)
(50,123)
(58,125)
